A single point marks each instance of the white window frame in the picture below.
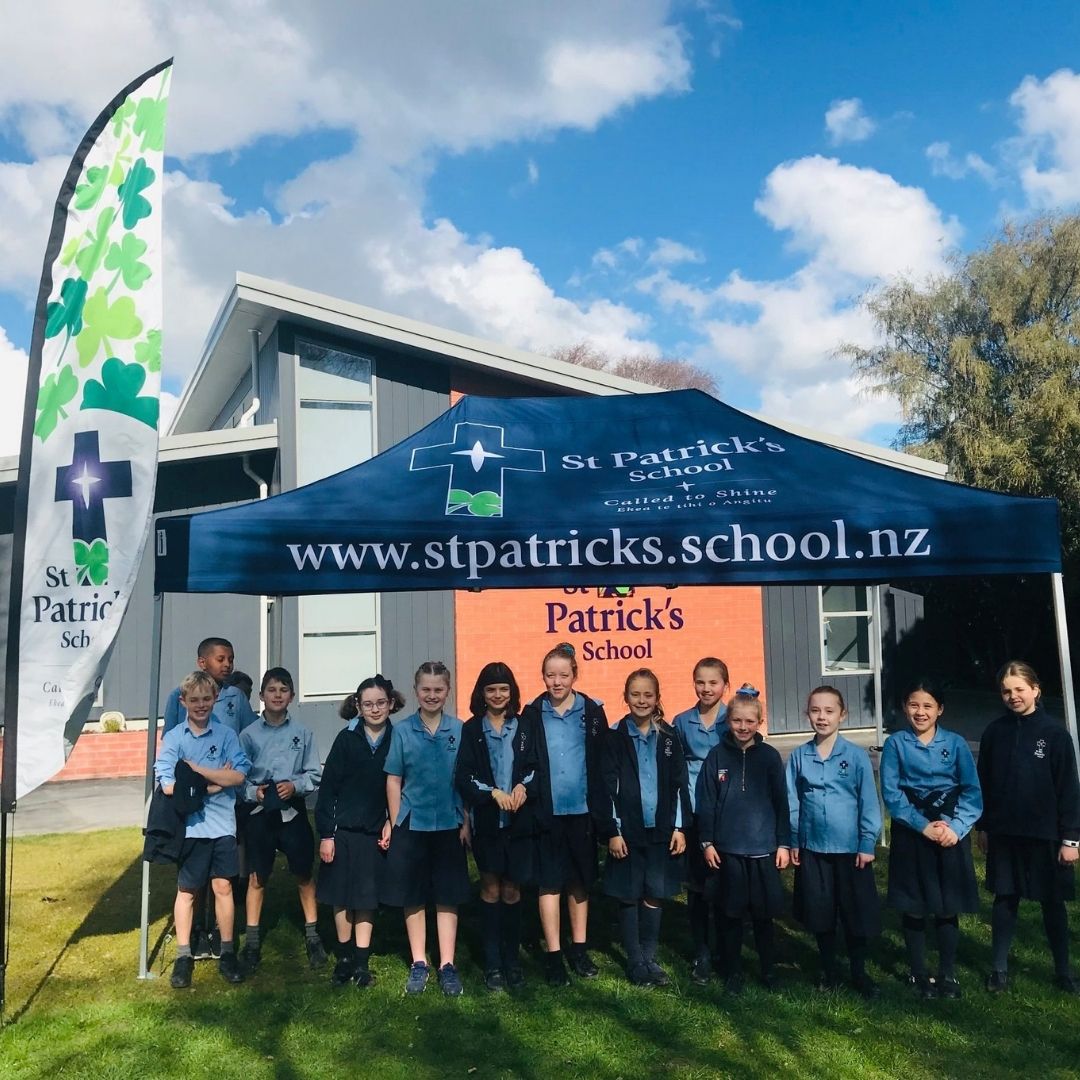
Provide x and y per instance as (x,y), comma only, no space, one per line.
(866,613)
(307,633)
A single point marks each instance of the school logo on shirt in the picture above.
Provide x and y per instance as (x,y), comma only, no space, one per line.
(477,459)
(944,753)
(213,750)
(844,767)
(1040,748)
(230,707)
(296,742)
(450,743)
(721,775)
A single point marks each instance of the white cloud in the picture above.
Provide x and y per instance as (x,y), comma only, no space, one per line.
(13,364)
(532,171)
(1047,151)
(846,122)
(944,163)
(391,72)
(671,253)
(856,221)
(671,293)
(838,405)
(610,258)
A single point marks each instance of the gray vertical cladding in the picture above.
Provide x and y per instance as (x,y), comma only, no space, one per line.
(237,402)
(188,619)
(415,626)
(5,591)
(269,379)
(793,660)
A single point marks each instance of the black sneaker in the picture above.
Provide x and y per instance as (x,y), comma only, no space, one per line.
(555,970)
(949,988)
(251,957)
(363,978)
(701,971)
(514,976)
(493,980)
(200,945)
(658,975)
(450,981)
(922,987)
(866,988)
(344,972)
(997,982)
(640,975)
(1067,983)
(581,965)
(316,954)
(229,967)
(214,943)
(181,972)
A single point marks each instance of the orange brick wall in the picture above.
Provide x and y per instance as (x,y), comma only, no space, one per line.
(105,755)
(520,626)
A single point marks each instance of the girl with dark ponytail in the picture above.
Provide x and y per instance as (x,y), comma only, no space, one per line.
(354,826)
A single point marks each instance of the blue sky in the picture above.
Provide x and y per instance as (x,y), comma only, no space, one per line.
(720,181)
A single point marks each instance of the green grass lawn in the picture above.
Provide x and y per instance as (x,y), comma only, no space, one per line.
(75,1007)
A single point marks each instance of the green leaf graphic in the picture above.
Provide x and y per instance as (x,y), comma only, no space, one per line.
(66,313)
(105,321)
(486,504)
(56,391)
(122,115)
(67,255)
(150,123)
(457,499)
(88,194)
(118,391)
(89,258)
(125,258)
(135,205)
(148,352)
(91,563)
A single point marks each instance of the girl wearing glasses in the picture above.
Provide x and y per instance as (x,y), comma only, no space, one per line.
(354,825)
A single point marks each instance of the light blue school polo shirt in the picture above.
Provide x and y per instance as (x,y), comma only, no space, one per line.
(216,748)
(425,762)
(833,802)
(697,740)
(943,763)
(645,748)
(565,737)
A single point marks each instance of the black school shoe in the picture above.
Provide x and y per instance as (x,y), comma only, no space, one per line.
(997,982)
(827,982)
(200,945)
(494,980)
(659,976)
(640,976)
(701,971)
(363,978)
(251,957)
(581,965)
(181,972)
(555,969)
(316,953)
(229,968)
(949,988)
(514,976)
(733,985)
(344,972)
(923,988)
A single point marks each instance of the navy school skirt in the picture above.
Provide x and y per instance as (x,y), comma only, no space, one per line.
(355,880)
(649,870)
(927,879)
(828,887)
(1027,867)
(426,868)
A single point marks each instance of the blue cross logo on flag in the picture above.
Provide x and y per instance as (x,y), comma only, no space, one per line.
(477,460)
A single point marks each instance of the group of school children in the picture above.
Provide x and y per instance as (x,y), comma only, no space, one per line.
(702,803)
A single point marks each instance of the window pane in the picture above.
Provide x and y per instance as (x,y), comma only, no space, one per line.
(324,372)
(847,643)
(844,598)
(333,436)
(331,665)
(338,612)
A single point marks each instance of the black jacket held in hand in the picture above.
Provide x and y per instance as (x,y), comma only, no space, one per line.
(1027,770)
(742,806)
(473,767)
(596,728)
(622,785)
(352,794)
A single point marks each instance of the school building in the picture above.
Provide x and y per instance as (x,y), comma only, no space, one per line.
(293,386)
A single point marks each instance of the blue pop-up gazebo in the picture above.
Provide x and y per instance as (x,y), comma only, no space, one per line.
(670,488)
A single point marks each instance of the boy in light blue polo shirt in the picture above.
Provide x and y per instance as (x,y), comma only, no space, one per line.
(210,752)
(232,706)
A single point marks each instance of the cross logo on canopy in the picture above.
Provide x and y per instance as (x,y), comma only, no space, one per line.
(87,482)
(477,460)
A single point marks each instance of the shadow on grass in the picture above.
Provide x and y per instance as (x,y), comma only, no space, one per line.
(115,912)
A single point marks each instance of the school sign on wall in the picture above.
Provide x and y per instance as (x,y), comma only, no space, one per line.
(655,489)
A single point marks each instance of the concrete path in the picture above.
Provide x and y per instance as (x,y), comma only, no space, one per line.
(80,806)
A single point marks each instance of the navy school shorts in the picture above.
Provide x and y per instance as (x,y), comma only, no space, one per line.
(202,859)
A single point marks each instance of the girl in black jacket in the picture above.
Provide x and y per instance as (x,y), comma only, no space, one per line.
(495,775)
(354,826)
(570,730)
(1030,827)
(744,829)
(647,803)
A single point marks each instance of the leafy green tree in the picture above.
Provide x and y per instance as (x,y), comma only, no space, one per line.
(985,363)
